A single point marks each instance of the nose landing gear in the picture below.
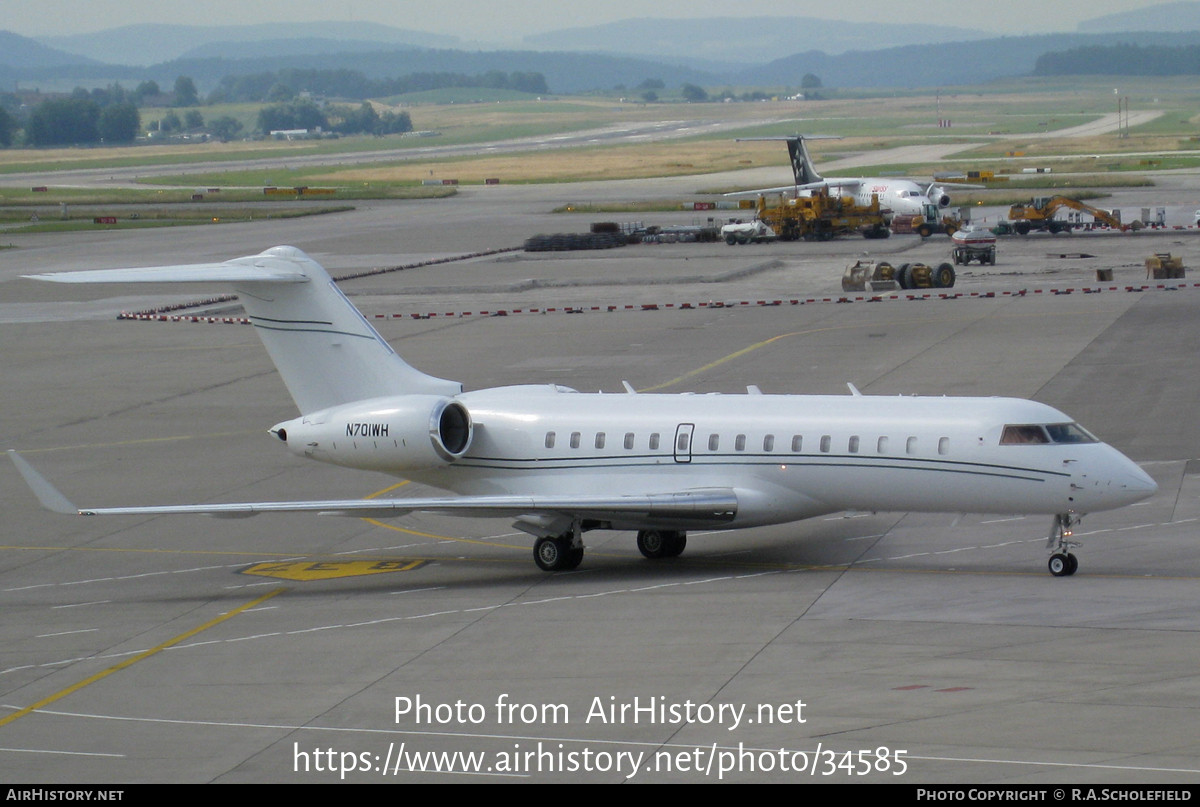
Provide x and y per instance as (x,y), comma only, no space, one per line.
(1062,563)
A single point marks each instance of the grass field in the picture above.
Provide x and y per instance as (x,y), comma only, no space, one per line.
(999,117)
(18,220)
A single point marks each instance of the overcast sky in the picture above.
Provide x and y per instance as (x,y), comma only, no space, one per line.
(500,20)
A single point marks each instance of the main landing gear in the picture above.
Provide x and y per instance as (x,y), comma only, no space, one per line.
(661,543)
(1062,562)
(560,553)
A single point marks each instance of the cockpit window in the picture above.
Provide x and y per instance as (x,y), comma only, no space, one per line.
(1023,435)
(1036,434)
(1070,433)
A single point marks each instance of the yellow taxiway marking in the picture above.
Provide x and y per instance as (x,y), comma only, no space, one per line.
(330,569)
(129,662)
(379,523)
(155,551)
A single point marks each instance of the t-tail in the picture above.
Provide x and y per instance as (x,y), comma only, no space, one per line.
(805,174)
(325,350)
(802,166)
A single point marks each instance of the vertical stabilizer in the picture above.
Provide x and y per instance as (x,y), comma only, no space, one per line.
(802,166)
(325,350)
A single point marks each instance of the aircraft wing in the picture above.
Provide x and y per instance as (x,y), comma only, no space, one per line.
(700,505)
(842,182)
(962,185)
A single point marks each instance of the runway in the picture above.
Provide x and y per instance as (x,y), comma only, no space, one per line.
(923,648)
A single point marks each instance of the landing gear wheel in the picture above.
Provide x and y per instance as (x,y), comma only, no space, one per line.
(1063,565)
(902,277)
(676,544)
(653,543)
(573,559)
(556,554)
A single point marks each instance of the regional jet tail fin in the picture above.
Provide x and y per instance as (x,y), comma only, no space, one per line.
(326,351)
(802,166)
(699,507)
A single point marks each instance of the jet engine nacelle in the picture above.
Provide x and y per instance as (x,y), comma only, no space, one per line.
(383,434)
(938,196)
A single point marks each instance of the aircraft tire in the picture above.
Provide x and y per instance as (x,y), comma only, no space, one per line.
(1073,564)
(902,275)
(676,545)
(573,558)
(653,544)
(554,554)
(1060,564)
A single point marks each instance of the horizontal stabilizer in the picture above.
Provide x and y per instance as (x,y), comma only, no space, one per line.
(277,265)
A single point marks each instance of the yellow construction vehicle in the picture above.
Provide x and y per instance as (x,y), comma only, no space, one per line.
(1038,214)
(820,217)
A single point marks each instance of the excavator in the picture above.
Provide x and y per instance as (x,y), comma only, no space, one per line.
(1038,214)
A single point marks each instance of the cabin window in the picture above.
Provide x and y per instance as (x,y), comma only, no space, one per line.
(654,439)
(825,441)
(599,439)
(944,445)
(854,444)
(629,440)
(769,443)
(1023,435)
(881,446)
(549,439)
(797,443)
(574,439)
(739,443)
(714,442)
(682,443)
(911,445)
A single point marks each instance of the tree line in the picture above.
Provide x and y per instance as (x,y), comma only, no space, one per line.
(1121,60)
(284,85)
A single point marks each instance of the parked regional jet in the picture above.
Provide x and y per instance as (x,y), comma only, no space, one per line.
(562,462)
(901,197)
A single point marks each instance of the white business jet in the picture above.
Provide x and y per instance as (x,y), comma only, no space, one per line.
(900,197)
(562,463)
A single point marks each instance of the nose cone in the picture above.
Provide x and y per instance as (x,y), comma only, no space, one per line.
(1137,484)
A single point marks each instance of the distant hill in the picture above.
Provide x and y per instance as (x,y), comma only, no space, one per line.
(301,46)
(950,63)
(149,44)
(19,52)
(745,40)
(564,72)
(1178,16)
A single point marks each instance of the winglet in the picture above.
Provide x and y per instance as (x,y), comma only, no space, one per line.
(47,494)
